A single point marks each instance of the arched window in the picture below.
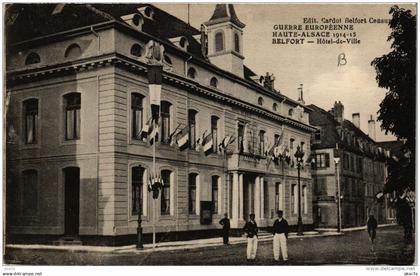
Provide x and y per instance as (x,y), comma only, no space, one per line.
(218,38)
(136,115)
(72,105)
(73,51)
(274,106)
(136,189)
(291,112)
(165,197)
(166,121)
(214,82)
(237,48)
(260,101)
(192,193)
(214,131)
(137,50)
(32,58)
(30,107)
(183,42)
(192,73)
(215,193)
(30,192)
(192,127)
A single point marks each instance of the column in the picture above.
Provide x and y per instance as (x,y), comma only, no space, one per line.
(241,196)
(257,197)
(235,200)
(262,197)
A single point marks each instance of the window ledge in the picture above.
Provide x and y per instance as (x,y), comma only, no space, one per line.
(24,146)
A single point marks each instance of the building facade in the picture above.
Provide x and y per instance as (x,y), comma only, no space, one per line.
(79,100)
(345,158)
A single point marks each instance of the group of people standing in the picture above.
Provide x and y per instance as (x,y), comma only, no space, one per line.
(280,232)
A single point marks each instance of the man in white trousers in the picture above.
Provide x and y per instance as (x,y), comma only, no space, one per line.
(280,232)
(251,231)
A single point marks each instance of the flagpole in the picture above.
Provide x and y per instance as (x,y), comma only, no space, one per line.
(154,200)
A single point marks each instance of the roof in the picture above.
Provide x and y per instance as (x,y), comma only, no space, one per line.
(394,146)
(330,136)
(225,13)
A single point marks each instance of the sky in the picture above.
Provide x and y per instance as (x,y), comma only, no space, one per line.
(314,66)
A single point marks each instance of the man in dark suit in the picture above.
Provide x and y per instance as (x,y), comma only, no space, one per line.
(372,224)
(251,231)
(280,232)
(225,222)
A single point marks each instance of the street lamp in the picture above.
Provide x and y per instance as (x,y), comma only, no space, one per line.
(139,227)
(299,159)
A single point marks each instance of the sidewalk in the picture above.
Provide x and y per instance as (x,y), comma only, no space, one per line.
(351,228)
(162,246)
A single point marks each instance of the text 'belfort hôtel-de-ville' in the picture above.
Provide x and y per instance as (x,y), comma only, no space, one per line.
(322,31)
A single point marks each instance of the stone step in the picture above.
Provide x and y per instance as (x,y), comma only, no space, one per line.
(68,241)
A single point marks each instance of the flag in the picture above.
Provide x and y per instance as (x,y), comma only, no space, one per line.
(200,141)
(147,128)
(155,184)
(154,131)
(182,138)
(208,143)
(171,140)
(229,139)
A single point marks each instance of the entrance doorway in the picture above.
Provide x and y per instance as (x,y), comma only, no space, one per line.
(71,200)
(248,196)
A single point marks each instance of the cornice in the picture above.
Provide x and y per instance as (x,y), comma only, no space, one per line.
(118,60)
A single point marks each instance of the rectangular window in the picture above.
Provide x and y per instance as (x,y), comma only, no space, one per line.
(166,121)
(165,196)
(136,189)
(73,105)
(346,161)
(279,197)
(262,145)
(192,127)
(305,199)
(215,193)
(192,189)
(317,135)
(294,199)
(136,115)
(30,193)
(31,120)
(320,186)
(322,160)
(241,132)
(214,132)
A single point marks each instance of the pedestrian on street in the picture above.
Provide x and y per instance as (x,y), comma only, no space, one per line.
(225,222)
(372,224)
(280,232)
(251,231)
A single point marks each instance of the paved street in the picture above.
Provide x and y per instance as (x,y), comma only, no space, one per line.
(350,248)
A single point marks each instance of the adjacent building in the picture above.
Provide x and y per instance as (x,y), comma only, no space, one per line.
(347,160)
(78,102)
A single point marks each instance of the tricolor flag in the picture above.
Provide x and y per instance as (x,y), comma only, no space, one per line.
(200,141)
(171,140)
(182,138)
(147,128)
(208,143)
(229,139)
(154,131)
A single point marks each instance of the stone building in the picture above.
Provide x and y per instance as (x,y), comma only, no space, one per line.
(79,99)
(344,155)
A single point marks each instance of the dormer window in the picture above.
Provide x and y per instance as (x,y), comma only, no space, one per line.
(32,58)
(237,49)
(274,106)
(73,51)
(137,50)
(219,41)
(192,73)
(260,101)
(214,82)
(167,59)
(291,112)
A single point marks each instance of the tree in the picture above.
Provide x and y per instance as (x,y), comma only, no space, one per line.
(396,72)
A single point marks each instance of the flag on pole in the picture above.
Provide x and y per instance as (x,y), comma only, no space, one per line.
(208,143)
(147,128)
(171,140)
(182,138)
(200,141)
(229,139)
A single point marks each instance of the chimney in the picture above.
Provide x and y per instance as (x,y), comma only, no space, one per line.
(203,40)
(356,119)
(372,129)
(300,94)
(338,111)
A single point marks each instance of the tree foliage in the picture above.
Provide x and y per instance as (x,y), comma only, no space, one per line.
(396,72)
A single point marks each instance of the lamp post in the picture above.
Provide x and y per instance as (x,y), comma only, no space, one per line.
(299,159)
(337,179)
(139,227)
